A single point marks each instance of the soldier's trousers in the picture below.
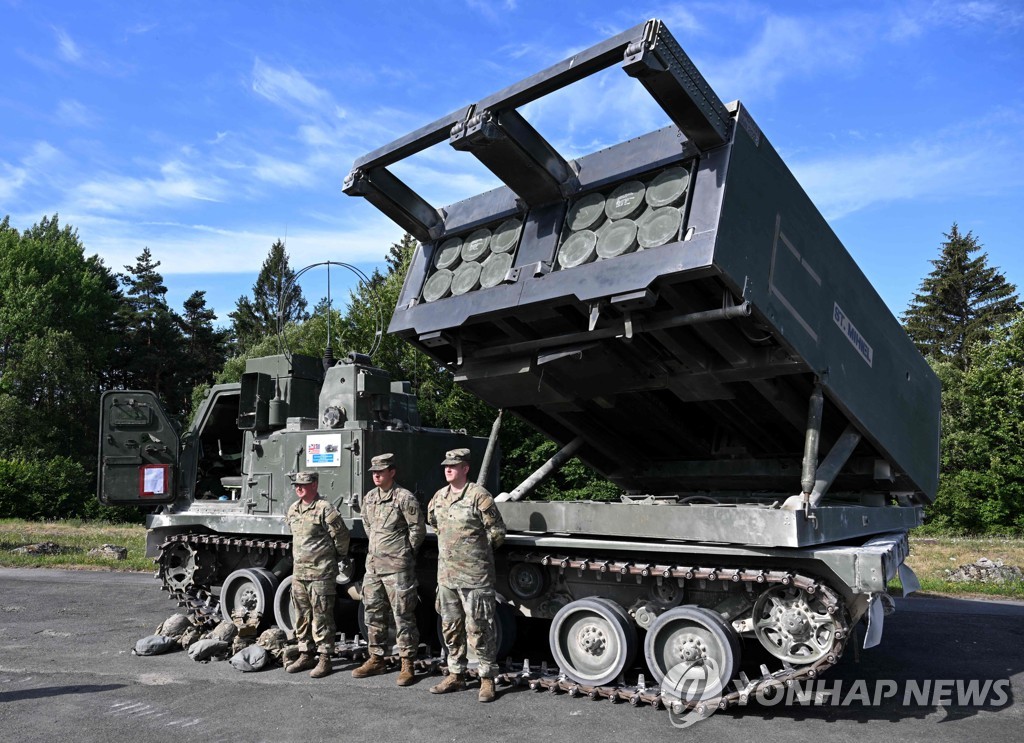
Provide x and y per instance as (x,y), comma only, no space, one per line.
(467,620)
(313,604)
(386,597)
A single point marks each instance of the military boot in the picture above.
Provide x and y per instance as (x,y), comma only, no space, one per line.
(374,666)
(486,693)
(408,673)
(451,682)
(304,662)
(323,668)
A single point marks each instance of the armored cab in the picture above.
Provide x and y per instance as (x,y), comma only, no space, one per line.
(676,312)
(218,490)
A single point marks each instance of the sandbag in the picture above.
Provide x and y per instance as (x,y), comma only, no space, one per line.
(189,637)
(252,658)
(274,641)
(174,626)
(155,645)
(209,649)
(225,631)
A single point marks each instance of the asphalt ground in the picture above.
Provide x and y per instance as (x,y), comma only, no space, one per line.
(67,674)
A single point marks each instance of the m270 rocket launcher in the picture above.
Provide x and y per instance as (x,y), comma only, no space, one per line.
(676,312)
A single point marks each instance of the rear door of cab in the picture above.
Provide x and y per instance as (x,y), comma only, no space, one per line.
(138,450)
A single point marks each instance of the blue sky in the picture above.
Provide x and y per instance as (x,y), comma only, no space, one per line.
(206,130)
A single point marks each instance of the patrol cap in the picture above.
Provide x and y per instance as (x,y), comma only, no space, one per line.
(456,456)
(306,477)
(382,462)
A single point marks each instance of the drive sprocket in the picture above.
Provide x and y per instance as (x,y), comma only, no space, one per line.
(183,568)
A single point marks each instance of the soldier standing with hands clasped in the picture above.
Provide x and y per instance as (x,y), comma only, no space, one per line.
(394,525)
(469,528)
(319,541)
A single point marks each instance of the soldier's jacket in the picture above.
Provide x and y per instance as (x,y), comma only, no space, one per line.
(468,527)
(394,524)
(319,539)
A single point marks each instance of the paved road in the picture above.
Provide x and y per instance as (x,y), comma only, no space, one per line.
(66,673)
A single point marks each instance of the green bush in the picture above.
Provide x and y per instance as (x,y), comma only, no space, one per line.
(44,489)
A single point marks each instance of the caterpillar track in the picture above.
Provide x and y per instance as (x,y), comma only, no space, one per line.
(186,567)
(203,607)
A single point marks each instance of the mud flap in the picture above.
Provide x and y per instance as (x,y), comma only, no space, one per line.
(908,579)
(880,605)
(876,618)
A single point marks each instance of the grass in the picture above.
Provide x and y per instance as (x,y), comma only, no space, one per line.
(930,557)
(75,538)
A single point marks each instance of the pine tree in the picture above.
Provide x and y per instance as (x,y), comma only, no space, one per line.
(962,301)
(152,347)
(204,345)
(274,293)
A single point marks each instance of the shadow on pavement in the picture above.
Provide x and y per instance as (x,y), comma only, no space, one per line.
(55,691)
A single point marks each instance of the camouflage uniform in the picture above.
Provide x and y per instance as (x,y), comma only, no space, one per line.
(395,527)
(468,527)
(319,539)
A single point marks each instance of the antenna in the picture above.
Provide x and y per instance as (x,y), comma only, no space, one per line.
(374,306)
(281,293)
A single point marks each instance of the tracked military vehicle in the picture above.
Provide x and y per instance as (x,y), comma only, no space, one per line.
(218,490)
(675,312)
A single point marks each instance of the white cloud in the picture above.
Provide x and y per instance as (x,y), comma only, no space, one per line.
(141,28)
(41,155)
(840,186)
(36,162)
(678,19)
(492,9)
(904,26)
(289,89)
(973,157)
(12,178)
(113,193)
(594,113)
(442,180)
(199,248)
(67,49)
(992,15)
(316,135)
(73,113)
(787,48)
(281,172)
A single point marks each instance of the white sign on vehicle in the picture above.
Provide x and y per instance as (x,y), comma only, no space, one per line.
(323,450)
(154,479)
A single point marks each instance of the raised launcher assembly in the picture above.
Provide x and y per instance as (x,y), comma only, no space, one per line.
(677,313)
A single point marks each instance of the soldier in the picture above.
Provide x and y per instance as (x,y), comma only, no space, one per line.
(395,527)
(319,541)
(468,527)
